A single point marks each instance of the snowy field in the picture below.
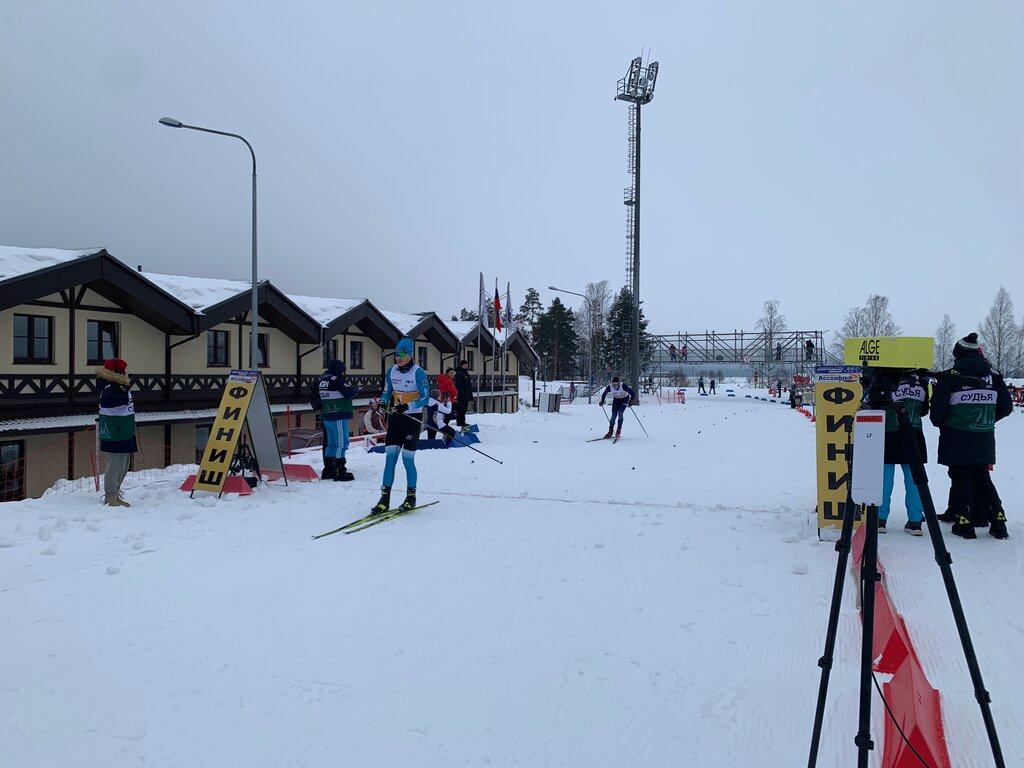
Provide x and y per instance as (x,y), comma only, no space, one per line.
(658,602)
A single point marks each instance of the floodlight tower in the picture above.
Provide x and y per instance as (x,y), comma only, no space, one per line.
(637,87)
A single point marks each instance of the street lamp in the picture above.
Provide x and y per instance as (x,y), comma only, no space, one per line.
(590,357)
(170,122)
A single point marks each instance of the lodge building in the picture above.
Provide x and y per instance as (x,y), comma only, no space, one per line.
(62,313)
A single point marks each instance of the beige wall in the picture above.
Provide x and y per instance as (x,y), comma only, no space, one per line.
(371,356)
(46,460)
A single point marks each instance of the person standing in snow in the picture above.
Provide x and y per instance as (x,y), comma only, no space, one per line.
(913,393)
(711,387)
(464,386)
(622,396)
(116,428)
(700,386)
(439,407)
(966,416)
(406,393)
(335,412)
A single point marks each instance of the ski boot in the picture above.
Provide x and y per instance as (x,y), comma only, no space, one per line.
(618,433)
(328,472)
(607,434)
(948,516)
(410,501)
(384,504)
(998,528)
(963,528)
(340,473)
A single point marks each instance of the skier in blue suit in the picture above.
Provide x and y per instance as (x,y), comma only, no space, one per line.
(406,394)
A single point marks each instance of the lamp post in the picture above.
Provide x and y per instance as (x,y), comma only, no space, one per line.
(590,356)
(170,122)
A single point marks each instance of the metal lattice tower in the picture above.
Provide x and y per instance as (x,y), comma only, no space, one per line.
(637,88)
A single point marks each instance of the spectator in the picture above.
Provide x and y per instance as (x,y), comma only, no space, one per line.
(373,419)
(116,428)
(711,387)
(700,386)
(464,387)
(672,352)
(809,346)
(684,352)
(778,351)
(778,389)
(438,408)
(335,412)
(913,393)
(966,416)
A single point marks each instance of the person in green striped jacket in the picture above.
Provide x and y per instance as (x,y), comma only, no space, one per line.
(116,427)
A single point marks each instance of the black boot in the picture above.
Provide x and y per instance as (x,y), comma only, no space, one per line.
(998,529)
(384,504)
(328,472)
(963,528)
(340,473)
(410,500)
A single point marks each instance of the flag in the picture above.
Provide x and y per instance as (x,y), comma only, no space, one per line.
(508,307)
(482,300)
(497,307)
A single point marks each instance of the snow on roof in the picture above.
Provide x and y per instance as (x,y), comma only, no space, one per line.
(403,321)
(16,261)
(198,292)
(324,310)
(462,328)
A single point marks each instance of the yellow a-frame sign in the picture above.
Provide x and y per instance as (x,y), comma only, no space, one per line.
(244,404)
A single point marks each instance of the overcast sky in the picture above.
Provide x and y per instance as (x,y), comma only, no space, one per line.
(811,152)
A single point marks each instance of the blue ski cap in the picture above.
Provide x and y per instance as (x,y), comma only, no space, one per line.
(405,346)
(337,367)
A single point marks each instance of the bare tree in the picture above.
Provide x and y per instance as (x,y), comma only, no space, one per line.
(593,326)
(999,332)
(945,338)
(873,319)
(773,325)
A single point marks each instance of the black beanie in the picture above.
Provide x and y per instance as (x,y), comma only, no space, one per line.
(968,345)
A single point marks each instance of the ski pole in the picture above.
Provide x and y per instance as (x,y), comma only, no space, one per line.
(460,442)
(638,421)
(467,445)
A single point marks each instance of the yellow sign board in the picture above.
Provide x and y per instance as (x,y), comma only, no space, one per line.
(837,395)
(227,429)
(890,351)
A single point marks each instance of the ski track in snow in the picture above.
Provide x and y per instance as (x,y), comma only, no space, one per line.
(662,603)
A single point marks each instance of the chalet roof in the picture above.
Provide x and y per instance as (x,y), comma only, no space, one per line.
(338,315)
(429,325)
(29,274)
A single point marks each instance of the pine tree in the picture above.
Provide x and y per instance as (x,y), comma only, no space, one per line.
(467,314)
(555,338)
(617,343)
(529,313)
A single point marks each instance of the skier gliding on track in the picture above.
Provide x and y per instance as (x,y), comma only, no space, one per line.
(622,396)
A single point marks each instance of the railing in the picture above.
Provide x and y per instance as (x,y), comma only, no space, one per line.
(30,395)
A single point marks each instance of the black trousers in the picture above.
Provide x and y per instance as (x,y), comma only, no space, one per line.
(460,406)
(972,493)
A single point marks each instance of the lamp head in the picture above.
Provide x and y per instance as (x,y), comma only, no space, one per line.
(552,288)
(170,122)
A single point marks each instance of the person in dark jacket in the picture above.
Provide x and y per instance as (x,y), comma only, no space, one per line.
(913,393)
(464,387)
(335,412)
(622,397)
(966,416)
(116,427)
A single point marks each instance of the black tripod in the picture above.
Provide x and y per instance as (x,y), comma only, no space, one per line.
(879,385)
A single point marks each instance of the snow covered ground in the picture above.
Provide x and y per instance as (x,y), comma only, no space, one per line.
(657,602)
